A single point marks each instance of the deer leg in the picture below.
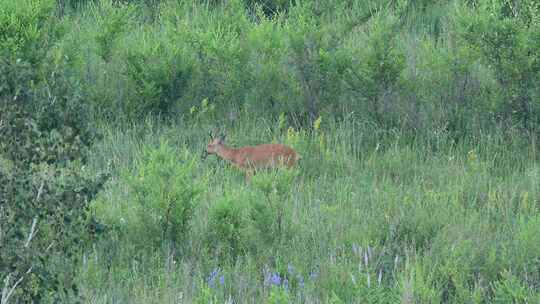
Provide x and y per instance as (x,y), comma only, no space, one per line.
(249,174)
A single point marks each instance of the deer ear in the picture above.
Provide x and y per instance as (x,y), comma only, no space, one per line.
(214,133)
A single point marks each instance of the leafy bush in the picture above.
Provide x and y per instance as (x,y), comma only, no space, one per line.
(376,69)
(44,224)
(278,296)
(447,91)
(522,258)
(26,26)
(24,41)
(44,194)
(269,215)
(272,87)
(227,227)
(165,190)
(507,38)
(112,21)
(221,55)
(315,60)
(205,295)
(159,73)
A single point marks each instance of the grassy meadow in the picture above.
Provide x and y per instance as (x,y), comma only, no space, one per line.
(417,123)
(369,217)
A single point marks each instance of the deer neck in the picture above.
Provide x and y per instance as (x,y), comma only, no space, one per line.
(227,153)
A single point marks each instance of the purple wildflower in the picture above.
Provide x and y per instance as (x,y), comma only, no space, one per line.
(212,277)
(300,281)
(275,279)
(222,280)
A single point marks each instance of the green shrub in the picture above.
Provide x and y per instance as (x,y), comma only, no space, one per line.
(159,74)
(375,70)
(315,59)
(447,91)
(44,192)
(272,89)
(26,26)
(222,56)
(507,38)
(205,295)
(243,223)
(165,190)
(228,225)
(269,215)
(416,285)
(111,21)
(521,257)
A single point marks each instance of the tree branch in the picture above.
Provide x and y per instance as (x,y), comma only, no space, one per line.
(7,291)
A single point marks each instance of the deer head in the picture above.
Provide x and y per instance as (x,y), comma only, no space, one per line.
(214,143)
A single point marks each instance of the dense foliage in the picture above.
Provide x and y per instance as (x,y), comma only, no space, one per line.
(417,122)
(403,64)
(45,135)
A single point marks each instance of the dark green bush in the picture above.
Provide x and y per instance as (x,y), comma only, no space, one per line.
(375,71)
(45,135)
(269,7)
(222,56)
(159,75)
(25,29)
(506,37)
(272,88)
(315,61)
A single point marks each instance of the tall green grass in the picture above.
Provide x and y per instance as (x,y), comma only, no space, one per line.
(372,218)
(419,178)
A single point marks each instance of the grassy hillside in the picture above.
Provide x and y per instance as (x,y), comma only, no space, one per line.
(417,123)
(376,219)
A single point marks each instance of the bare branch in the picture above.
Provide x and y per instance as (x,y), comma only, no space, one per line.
(8,291)
(40,191)
(32,232)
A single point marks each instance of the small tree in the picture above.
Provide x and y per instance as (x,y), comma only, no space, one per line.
(376,66)
(165,189)
(227,227)
(506,35)
(315,60)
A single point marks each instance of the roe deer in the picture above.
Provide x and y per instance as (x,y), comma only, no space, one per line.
(251,158)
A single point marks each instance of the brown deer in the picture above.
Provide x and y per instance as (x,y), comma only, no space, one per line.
(251,158)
